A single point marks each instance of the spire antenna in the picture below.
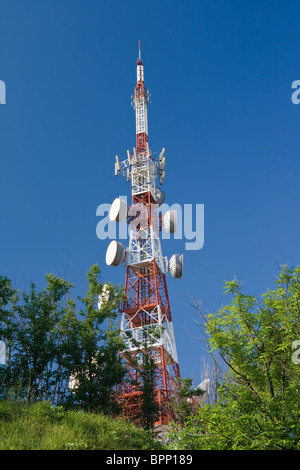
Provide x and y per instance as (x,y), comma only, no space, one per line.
(146,320)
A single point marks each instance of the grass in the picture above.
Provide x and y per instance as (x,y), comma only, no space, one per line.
(40,426)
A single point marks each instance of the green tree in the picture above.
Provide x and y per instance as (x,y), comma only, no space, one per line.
(258,399)
(149,405)
(185,400)
(28,327)
(49,337)
(147,409)
(8,332)
(92,347)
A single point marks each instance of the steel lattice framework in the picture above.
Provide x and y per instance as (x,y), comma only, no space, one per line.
(145,314)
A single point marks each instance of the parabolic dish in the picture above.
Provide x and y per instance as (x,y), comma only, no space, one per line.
(170,220)
(114,253)
(118,210)
(176,266)
(160,196)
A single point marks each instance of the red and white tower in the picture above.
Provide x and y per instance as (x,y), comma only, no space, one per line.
(145,313)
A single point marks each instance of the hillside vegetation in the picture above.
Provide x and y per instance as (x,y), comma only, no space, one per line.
(40,426)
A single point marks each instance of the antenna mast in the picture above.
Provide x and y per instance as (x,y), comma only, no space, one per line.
(145,314)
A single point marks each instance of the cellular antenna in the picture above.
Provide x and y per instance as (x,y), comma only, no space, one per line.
(146,325)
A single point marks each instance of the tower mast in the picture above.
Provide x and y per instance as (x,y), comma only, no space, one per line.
(145,313)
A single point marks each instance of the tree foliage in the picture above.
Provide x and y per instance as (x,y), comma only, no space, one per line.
(184,401)
(149,411)
(50,337)
(258,398)
(144,380)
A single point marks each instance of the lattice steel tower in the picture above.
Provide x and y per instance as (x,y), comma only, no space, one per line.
(145,314)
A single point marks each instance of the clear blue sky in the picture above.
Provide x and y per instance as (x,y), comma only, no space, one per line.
(220,76)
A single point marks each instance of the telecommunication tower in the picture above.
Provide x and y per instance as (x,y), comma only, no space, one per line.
(145,313)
